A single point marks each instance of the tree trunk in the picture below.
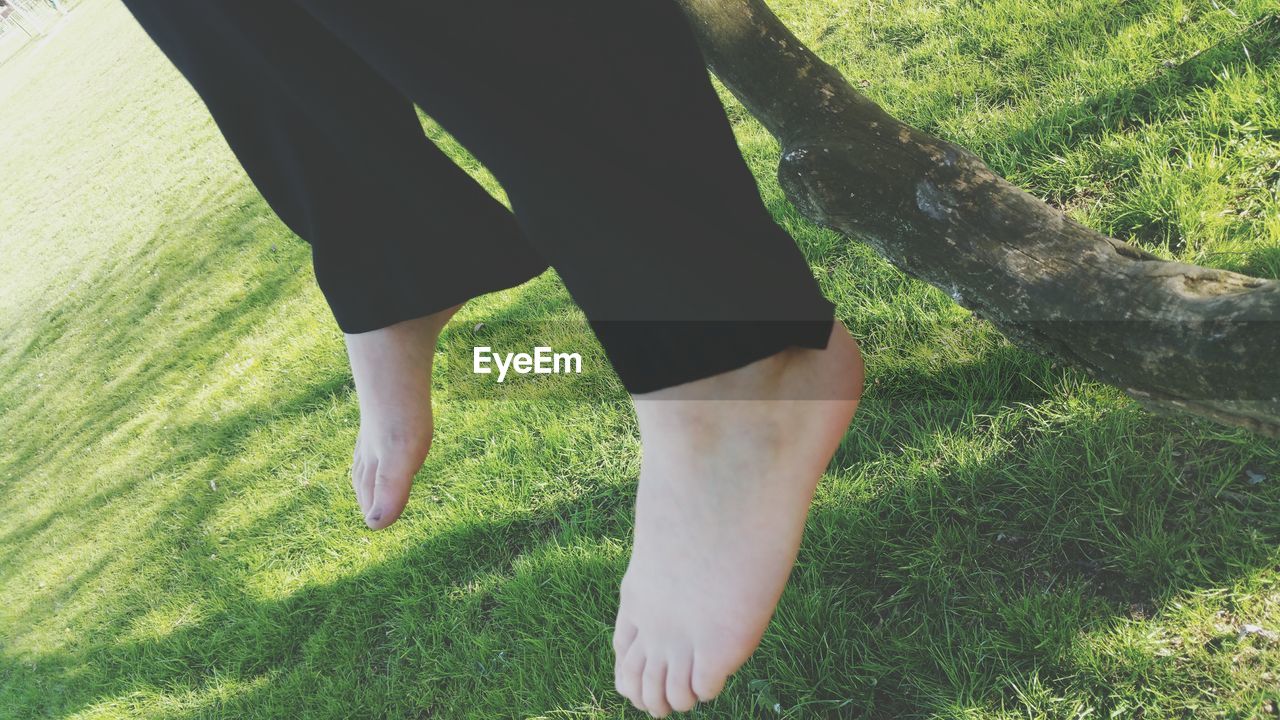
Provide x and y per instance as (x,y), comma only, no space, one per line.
(1176,337)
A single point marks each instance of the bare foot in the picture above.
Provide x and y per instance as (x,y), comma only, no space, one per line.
(725,488)
(392,370)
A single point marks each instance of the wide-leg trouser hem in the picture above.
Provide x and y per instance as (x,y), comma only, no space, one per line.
(598,119)
(641,351)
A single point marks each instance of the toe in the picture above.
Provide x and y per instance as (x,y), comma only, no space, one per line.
(680,695)
(389,492)
(707,676)
(362,483)
(624,633)
(654,690)
(627,675)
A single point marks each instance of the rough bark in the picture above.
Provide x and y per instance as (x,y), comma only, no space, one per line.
(1177,337)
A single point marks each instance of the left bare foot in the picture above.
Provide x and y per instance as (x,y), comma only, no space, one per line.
(392,370)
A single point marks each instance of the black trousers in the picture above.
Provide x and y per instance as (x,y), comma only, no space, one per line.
(597,117)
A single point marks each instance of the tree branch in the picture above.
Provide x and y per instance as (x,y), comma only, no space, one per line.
(1177,337)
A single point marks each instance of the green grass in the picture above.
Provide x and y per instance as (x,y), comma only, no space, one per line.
(996,538)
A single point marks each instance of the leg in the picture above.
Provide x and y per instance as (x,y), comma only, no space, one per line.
(400,235)
(600,121)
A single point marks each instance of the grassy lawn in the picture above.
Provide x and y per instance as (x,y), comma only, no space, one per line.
(996,538)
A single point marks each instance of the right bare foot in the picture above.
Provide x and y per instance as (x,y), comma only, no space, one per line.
(392,371)
(725,487)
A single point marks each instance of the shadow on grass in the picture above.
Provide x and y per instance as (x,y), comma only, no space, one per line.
(255,636)
(1257,45)
(986,45)
(1129,106)
(959,585)
(947,584)
(951,586)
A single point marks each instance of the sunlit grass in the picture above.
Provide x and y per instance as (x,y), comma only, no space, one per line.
(996,538)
